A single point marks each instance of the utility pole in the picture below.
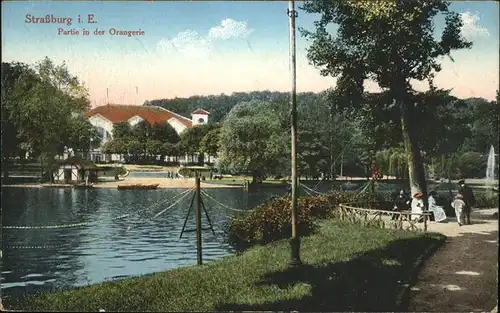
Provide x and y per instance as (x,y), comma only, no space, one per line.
(330,149)
(198,221)
(294,240)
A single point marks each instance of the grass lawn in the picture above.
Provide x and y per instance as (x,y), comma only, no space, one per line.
(346,268)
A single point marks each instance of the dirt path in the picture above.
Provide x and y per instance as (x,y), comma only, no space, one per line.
(462,275)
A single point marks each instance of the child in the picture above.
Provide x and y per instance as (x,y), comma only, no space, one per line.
(460,206)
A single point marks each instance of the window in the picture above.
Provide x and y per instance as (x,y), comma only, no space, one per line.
(201,120)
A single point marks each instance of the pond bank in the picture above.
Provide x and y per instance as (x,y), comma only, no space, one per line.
(346,268)
(164,183)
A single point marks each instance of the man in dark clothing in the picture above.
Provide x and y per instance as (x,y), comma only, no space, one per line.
(401,203)
(468,197)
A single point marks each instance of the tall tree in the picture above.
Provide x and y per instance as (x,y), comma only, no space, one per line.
(255,140)
(11,143)
(164,133)
(142,131)
(191,140)
(80,134)
(391,43)
(122,130)
(44,104)
(484,120)
(210,144)
(118,146)
(313,143)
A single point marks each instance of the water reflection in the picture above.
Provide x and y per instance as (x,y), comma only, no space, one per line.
(107,248)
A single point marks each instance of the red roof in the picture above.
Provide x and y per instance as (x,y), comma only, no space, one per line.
(117,113)
(200,111)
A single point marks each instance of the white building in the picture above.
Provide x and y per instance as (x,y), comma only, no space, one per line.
(105,117)
(199,117)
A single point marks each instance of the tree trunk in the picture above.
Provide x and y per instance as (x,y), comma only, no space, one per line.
(41,168)
(416,172)
(201,159)
(255,177)
(50,167)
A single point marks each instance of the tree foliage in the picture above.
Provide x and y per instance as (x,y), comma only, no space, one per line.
(210,144)
(192,137)
(254,140)
(42,108)
(333,134)
(143,141)
(391,43)
(218,105)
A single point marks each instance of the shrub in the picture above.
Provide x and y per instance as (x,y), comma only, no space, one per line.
(269,222)
(376,200)
(121,170)
(272,220)
(472,164)
(317,206)
(486,199)
(337,197)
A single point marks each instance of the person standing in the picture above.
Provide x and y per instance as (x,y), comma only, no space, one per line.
(468,198)
(401,203)
(459,205)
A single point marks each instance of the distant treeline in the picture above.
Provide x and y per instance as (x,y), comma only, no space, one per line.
(454,134)
(220,105)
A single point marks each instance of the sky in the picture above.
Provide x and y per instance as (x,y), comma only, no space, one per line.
(209,47)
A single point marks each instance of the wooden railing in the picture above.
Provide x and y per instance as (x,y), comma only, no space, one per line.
(354,213)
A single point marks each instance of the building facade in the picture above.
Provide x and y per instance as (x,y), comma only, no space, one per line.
(105,117)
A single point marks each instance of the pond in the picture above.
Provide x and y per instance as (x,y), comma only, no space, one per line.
(108,244)
(118,238)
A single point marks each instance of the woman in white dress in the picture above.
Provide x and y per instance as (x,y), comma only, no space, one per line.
(439,214)
(417,206)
